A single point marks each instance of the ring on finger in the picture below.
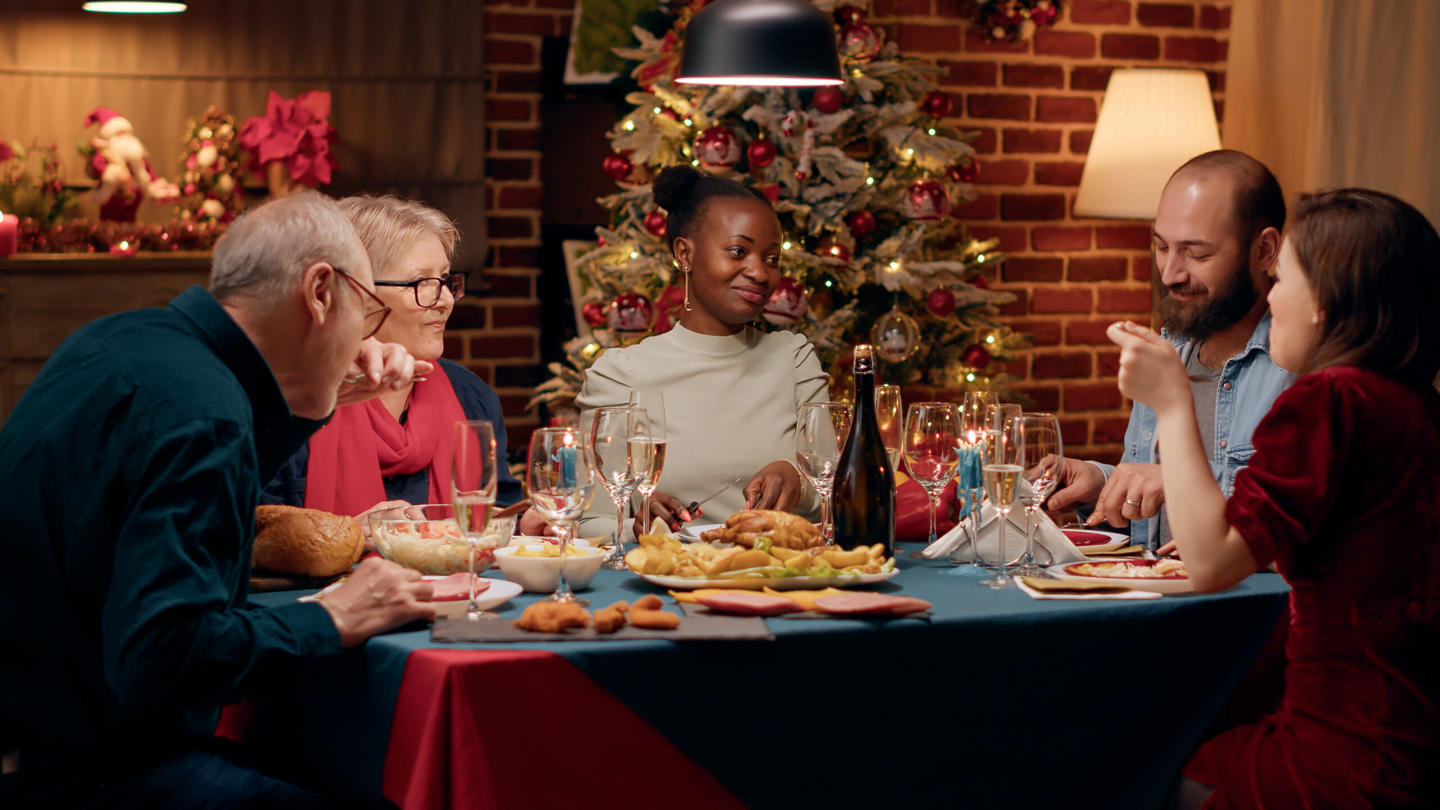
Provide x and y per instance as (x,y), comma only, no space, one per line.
(1132,502)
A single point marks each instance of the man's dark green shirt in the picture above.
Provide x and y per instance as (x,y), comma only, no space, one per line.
(130,471)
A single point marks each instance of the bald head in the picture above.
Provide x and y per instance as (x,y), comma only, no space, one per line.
(1257,200)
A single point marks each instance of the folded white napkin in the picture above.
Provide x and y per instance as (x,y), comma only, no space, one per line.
(956,542)
(1034,594)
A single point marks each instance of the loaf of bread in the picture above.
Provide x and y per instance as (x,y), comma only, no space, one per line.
(306,542)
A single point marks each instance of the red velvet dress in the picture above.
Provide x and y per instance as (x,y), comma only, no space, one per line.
(1343,495)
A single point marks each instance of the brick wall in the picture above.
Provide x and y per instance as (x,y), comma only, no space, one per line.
(497,334)
(1034,106)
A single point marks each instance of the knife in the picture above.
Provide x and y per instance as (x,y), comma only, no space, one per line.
(694,505)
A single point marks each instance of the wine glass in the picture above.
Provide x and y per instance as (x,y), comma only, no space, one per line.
(610,446)
(931,435)
(1041,457)
(975,409)
(647,447)
(472,490)
(820,434)
(559,478)
(1002,478)
(999,417)
(888,411)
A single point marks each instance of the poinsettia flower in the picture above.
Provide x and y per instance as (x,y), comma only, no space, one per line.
(297,133)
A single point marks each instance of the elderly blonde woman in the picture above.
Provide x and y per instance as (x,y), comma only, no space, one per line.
(394,449)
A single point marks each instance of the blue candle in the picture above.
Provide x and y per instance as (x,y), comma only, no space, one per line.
(567,468)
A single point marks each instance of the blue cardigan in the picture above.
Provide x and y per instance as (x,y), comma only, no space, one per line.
(476,399)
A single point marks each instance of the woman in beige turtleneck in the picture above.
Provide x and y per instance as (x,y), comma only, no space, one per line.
(731,390)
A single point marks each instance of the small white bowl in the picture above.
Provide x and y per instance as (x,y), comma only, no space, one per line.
(542,574)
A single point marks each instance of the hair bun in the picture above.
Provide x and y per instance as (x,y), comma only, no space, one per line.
(673,185)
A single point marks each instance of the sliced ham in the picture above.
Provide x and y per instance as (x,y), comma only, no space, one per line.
(871,604)
(456,587)
(747,603)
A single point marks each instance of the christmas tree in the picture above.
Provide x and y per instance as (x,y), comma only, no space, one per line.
(863,177)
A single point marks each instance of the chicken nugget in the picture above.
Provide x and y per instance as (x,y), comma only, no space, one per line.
(553,617)
(654,619)
(610,619)
(647,602)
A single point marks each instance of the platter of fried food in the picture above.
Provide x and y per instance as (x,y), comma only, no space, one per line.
(666,561)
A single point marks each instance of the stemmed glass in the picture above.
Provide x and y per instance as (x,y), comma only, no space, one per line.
(610,437)
(821,429)
(559,478)
(973,436)
(1002,479)
(647,447)
(1041,457)
(932,430)
(887,417)
(472,490)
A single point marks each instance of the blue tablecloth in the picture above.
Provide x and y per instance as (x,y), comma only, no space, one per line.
(997,701)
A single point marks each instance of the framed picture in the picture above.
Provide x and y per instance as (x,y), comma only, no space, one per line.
(598,27)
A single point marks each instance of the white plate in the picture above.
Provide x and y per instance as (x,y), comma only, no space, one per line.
(499,592)
(1117,540)
(1154,584)
(777,583)
(690,532)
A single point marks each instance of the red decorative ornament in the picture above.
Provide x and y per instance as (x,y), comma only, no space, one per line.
(861,224)
(937,104)
(831,249)
(975,356)
(926,201)
(849,15)
(787,303)
(717,147)
(860,41)
(980,283)
(594,313)
(655,222)
(771,192)
(963,172)
(668,308)
(940,302)
(828,100)
(630,312)
(617,166)
(761,153)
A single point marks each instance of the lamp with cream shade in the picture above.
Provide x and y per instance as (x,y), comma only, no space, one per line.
(1151,122)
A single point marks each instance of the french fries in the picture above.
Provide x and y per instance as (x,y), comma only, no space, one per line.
(663,555)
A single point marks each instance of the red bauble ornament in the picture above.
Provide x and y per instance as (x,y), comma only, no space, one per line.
(937,104)
(980,282)
(630,312)
(668,308)
(761,153)
(655,222)
(963,172)
(831,249)
(787,304)
(828,100)
(849,15)
(594,313)
(617,166)
(975,356)
(926,201)
(940,302)
(860,41)
(717,146)
(861,224)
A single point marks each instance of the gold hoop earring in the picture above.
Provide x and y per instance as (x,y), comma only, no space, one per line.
(686,271)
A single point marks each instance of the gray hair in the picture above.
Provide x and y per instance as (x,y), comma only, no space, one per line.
(388,225)
(265,251)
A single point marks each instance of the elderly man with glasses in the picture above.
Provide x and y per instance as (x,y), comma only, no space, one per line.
(132,468)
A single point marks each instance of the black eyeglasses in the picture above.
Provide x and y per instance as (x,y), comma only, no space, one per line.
(377,315)
(427,290)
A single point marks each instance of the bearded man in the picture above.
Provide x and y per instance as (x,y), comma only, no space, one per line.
(116,157)
(1216,236)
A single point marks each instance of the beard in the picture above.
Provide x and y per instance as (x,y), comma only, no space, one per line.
(1214,312)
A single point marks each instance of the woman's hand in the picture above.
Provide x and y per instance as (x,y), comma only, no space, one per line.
(1150,369)
(666,507)
(776,486)
(377,368)
(364,518)
(531,524)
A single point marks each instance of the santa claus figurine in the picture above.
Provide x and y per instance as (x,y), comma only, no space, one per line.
(117,159)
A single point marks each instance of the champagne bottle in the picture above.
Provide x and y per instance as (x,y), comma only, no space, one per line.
(864,480)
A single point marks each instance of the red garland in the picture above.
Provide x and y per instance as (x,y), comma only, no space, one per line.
(86,236)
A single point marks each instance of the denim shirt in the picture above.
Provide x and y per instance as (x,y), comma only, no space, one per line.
(1249,383)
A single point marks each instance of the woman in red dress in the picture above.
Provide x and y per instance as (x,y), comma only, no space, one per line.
(1342,496)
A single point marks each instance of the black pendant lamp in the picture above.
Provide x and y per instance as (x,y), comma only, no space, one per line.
(760,43)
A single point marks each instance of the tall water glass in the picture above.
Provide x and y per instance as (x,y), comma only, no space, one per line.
(932,431)
(1002,480)
(561,484)
(473,475)
(610,436)
(1042,458)
(889,418)
(647,447)
(820,432)
(975,409)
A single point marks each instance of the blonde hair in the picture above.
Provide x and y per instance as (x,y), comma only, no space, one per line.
(388,226)
(265,251)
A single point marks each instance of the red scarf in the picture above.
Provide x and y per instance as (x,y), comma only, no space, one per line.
(363,443)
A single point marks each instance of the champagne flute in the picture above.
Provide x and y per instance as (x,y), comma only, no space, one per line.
(888,413)
(975,410)
(647,447)
(999,417)
(472,490)
(610,442)
(1002,478)
(559,478)
(820,434)
(931,436)
(1041,457)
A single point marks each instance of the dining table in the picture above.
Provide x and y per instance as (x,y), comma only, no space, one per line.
(991,699)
